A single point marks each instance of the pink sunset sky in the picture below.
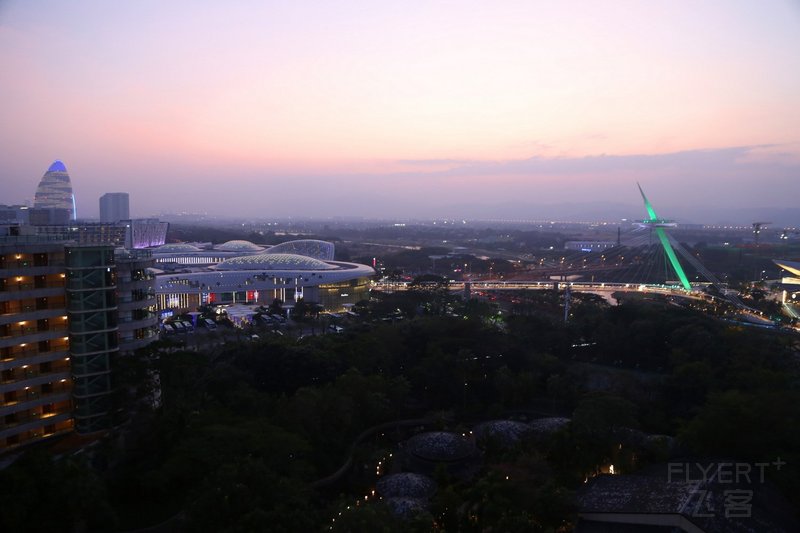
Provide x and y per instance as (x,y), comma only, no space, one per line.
(404,108)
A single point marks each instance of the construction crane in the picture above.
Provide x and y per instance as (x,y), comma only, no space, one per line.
(757,229)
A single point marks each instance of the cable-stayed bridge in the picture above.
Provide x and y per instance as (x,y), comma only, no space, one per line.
(647,259)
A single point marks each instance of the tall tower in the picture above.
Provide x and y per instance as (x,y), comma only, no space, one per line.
(114,206)
(659,225)
(55,191)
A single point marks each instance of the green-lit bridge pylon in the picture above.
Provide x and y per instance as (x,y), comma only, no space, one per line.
(662,236)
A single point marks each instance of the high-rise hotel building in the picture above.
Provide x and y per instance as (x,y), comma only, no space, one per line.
(114,206)
(35,369)
(136,298)
(60,325)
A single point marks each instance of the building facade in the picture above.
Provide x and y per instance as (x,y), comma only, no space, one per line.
(93,333)
(45,216)
(85,232)
(136,298)
(250,277)
(65,311)
(114,206)
(129,234)
(144,233)
(55,192)
(14,214)
(35,364)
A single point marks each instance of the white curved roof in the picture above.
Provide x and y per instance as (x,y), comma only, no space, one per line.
(252,276)
(176,248)
(274,262)
(239,246)
(322,250)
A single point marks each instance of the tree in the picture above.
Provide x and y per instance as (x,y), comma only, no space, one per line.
(246,495)
(35,488)
(302,310)
(276,307)
(600,414)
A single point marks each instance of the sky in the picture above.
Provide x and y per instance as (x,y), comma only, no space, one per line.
(405,109)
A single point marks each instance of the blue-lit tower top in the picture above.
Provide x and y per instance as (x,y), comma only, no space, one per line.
(57,166)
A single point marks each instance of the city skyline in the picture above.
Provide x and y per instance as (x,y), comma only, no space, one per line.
(439,109)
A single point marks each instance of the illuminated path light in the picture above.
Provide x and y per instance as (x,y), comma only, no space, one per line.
(662,236)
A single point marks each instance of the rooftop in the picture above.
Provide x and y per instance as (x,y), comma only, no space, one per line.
(176,248)
(504,432)
(406,485)
(275,262)
(322,250)
(691,497)
(239,246)
(57,166)
(440,446)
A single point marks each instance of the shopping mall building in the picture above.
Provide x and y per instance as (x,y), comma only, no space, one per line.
(244,273)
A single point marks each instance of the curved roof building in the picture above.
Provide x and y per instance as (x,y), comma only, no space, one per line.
(260,278)
(440,446)
(504,433)
(55,190)
(549,425)
(184,254)
(239,246)
(406,493)
(176,247)
(309,247)
(266,271)
(283,262)
(406,485)
(425,453)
